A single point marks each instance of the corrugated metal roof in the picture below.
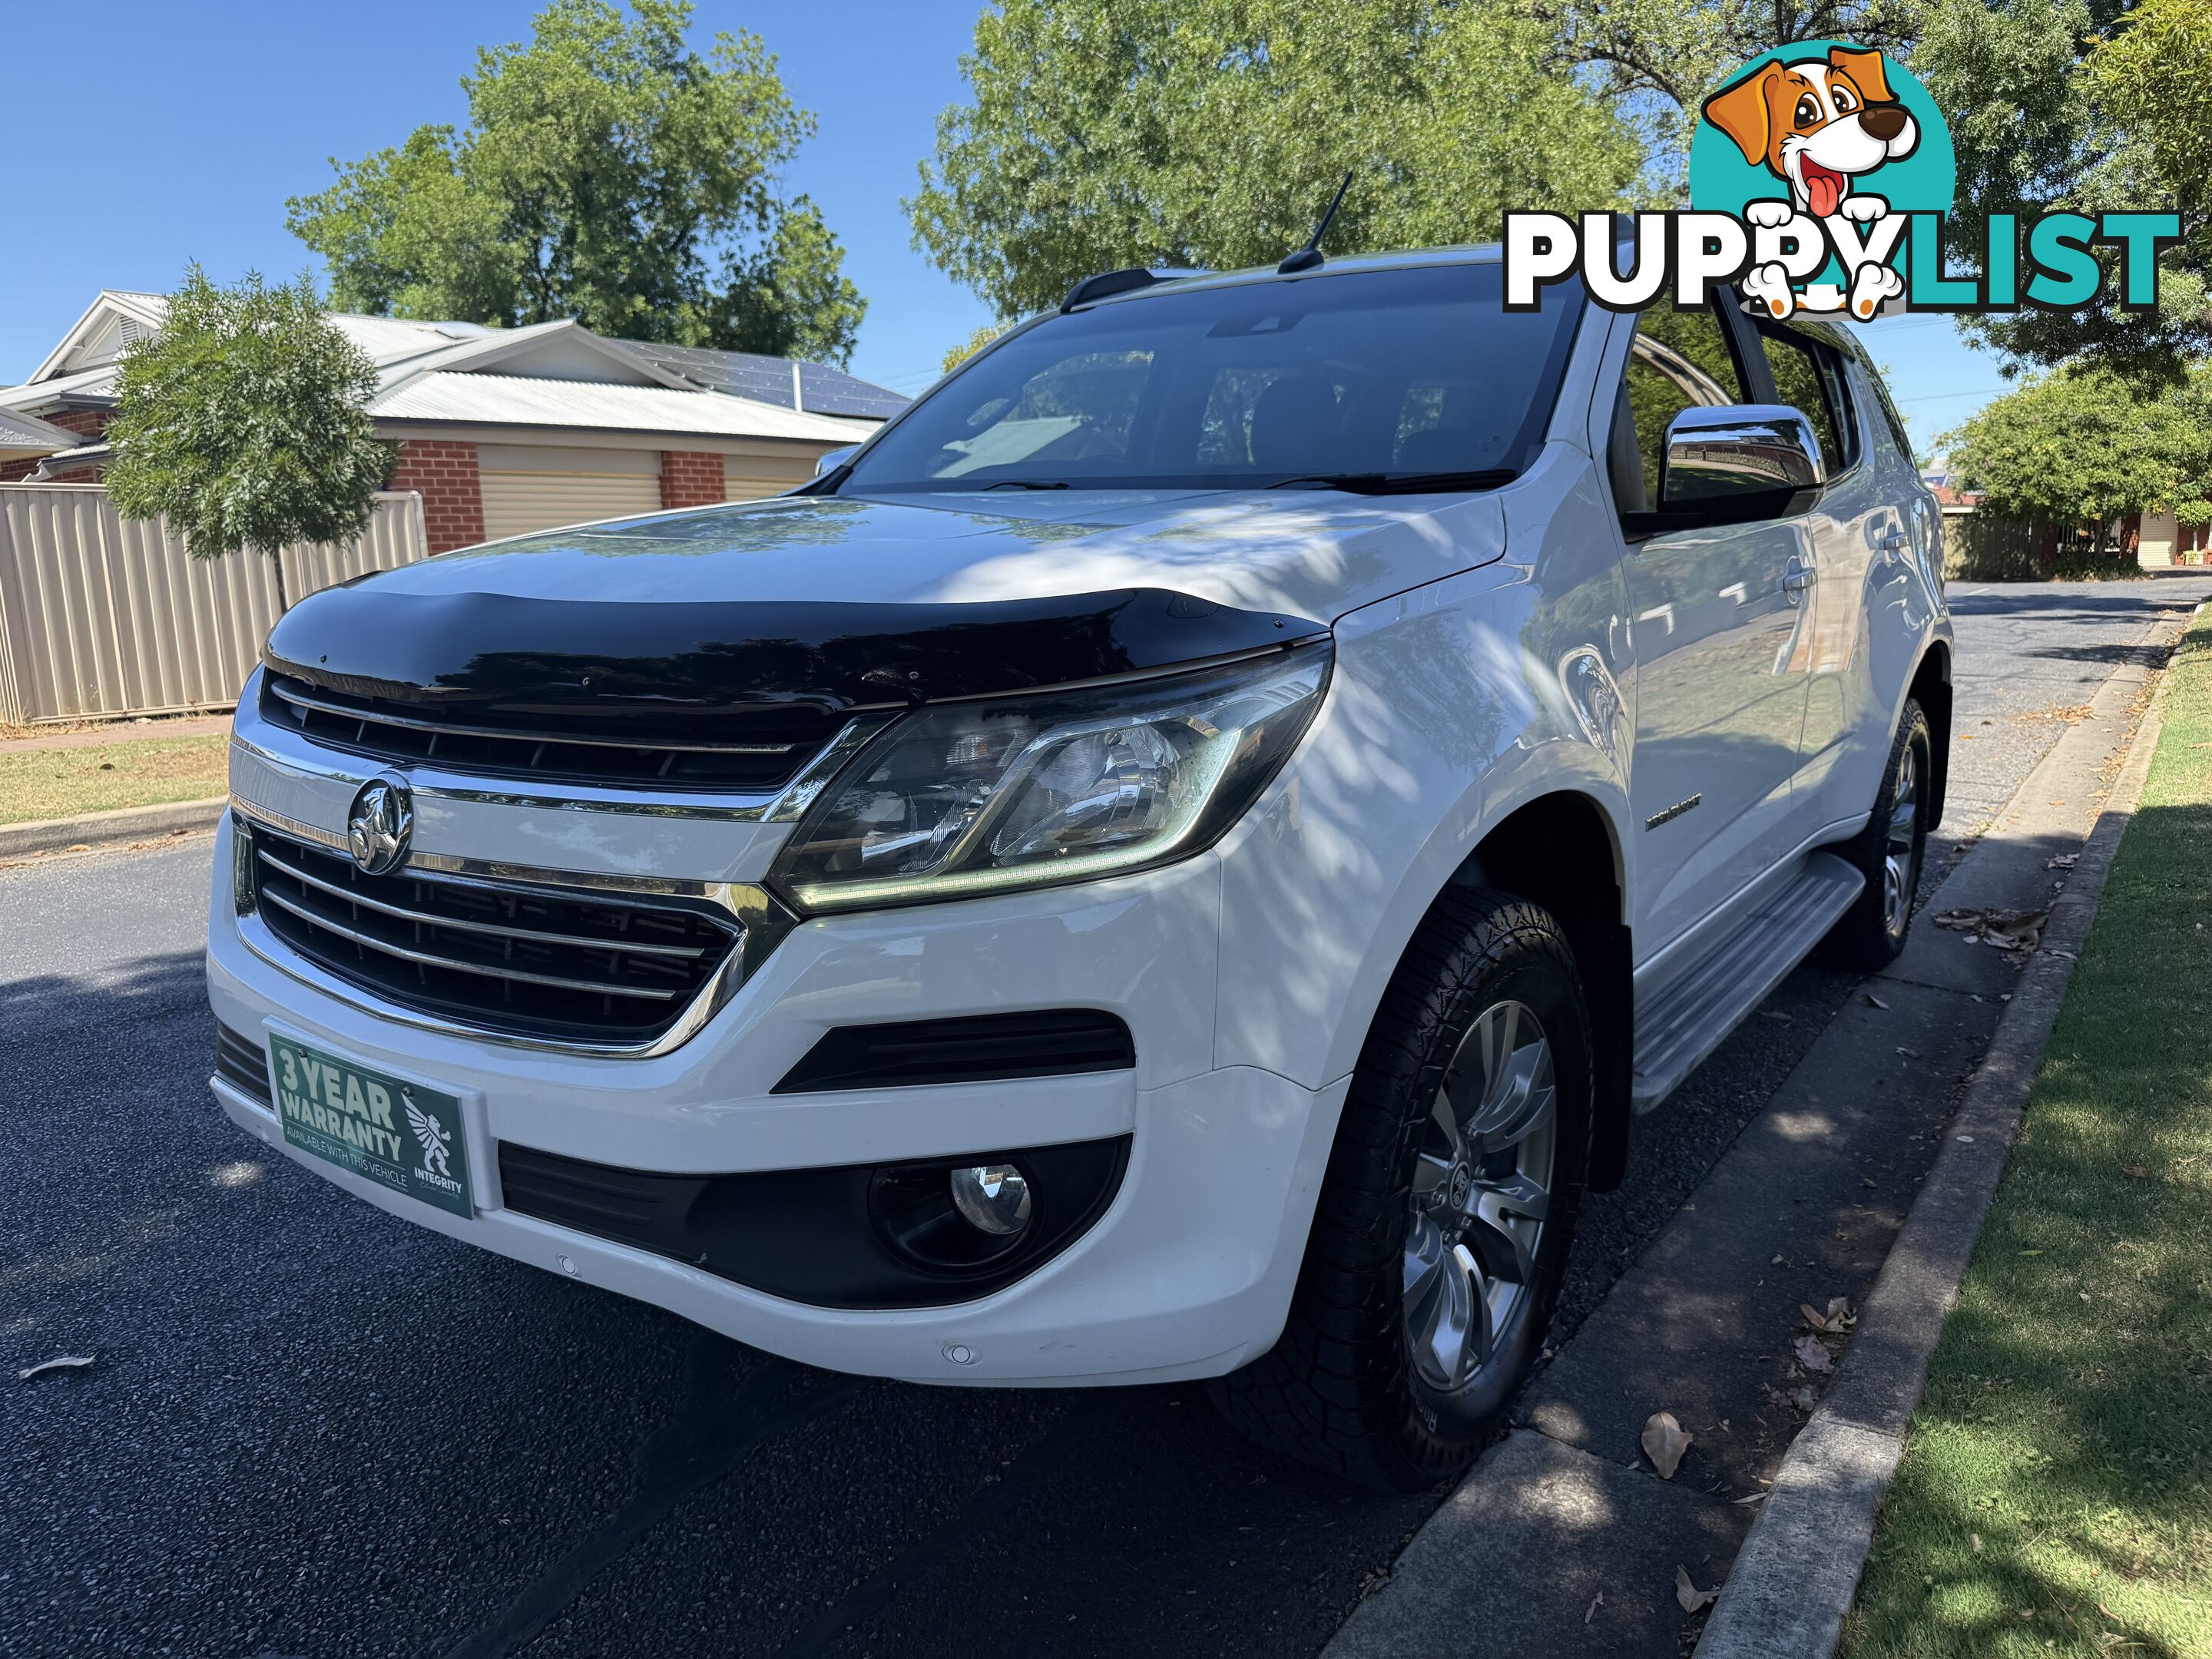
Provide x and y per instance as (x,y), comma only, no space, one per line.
(514,400)
(394,339)
(92,383)
(822,390)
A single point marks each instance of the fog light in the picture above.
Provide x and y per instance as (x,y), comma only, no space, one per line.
(994,1197)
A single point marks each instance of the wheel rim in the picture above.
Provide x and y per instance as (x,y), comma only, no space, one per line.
(1482,1190)
(1903,845)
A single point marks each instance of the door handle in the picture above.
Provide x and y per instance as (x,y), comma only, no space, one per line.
(1893,545)
(1796,579)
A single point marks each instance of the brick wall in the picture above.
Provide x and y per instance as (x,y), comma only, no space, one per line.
(689,478)
(86,422)
(444,473)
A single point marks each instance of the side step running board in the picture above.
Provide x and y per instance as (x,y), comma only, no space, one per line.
(1689,1017)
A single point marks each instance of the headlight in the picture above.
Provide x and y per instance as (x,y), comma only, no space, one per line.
(971,798)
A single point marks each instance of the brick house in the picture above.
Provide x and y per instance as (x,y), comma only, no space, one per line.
(504,431)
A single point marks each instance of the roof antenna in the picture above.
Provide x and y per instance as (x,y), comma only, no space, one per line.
(1309,256)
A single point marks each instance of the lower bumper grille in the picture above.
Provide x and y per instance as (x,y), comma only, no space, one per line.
(239,1061)
(520,960)
(815,1236)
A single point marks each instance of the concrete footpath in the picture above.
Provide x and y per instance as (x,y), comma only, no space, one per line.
(1563,1539)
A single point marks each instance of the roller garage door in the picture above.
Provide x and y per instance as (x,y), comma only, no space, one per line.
(750,477)
(539,487)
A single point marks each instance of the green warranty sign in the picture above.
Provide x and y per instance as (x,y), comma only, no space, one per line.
(400,1135)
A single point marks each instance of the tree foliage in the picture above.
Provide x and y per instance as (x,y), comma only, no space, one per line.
(244,422)
(1657,60)
(1105,133)
(974,344)
(608,173)
(2091,107)
(2083,444)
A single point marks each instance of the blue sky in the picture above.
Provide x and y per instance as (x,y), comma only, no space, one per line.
(165,133)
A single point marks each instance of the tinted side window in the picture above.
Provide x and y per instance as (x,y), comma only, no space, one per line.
(1806,378)
(1679,360)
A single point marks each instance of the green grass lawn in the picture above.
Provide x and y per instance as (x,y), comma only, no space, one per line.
(2056,1494)
(60,783)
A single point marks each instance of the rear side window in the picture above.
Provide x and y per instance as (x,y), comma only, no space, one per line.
(1808,377)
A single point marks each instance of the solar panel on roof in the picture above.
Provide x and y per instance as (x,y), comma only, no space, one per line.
(822,390)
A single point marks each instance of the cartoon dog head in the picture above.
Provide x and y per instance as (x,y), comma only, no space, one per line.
(1816,125)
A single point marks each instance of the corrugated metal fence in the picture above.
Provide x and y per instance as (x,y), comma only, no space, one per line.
(103,616)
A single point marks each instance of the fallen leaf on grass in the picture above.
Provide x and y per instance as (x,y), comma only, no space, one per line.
(1811,1356)
(1689,1595)
(1664,1442)
(67,1362)
(2137,1170)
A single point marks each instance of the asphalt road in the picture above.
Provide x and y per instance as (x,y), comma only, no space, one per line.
(314,1429)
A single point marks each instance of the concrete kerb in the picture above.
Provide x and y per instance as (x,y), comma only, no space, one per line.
(1798,1571)
(131,824)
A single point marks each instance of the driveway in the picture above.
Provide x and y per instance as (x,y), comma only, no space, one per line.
(315,1429)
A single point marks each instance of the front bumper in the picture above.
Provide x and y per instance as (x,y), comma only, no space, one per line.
(1188,1273)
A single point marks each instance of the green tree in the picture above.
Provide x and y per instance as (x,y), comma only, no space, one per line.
(2084,446)
(2086,105)
(1656,61)
(974,344)
(1105,133)
(608,173)
(244,422)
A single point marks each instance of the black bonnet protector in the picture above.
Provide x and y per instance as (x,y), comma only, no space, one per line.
(609,660)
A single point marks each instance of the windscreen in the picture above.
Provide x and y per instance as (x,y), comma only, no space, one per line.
(1397,373)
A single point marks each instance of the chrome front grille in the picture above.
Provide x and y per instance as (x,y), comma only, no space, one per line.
(573,967)
(752,751)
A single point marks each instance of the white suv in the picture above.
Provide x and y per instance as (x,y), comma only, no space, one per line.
(1177,858)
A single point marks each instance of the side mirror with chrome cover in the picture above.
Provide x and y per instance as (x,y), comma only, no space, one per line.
(1715,455)
(831,459)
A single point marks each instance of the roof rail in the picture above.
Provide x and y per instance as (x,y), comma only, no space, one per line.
(1109,282)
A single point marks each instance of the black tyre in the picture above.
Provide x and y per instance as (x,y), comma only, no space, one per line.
(1440,1239)
(1887,853)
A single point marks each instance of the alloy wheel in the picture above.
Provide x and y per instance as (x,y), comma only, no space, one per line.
(1481,1191)
(1901,850)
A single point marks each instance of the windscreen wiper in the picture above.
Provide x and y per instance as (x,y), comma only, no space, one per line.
(1401,483)
(1025,484)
